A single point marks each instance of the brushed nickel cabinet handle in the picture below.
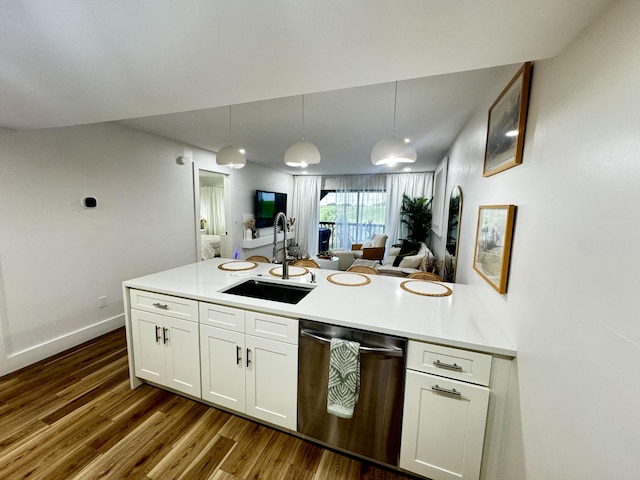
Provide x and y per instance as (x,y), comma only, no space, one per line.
(248,359)
(447,366)
(453,391)
(238,354)
(165,336)
(157,334)
(161,306)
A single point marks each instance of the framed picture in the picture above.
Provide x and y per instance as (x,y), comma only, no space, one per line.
(506,125)
(493,244)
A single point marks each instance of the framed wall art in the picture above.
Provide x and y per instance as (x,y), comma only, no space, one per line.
(493,244)
(506,124)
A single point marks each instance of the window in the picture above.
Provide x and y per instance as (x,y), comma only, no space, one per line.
(354,215)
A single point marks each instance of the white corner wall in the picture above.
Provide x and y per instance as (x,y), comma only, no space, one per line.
(57,258)
(571,306)
(245,183)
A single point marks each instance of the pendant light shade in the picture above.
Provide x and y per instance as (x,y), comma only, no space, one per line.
(231,156)
(392,150)
(302,153)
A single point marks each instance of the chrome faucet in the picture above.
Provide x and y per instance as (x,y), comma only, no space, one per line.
(285,253)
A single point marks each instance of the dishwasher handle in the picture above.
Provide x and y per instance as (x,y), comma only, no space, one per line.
(389,351)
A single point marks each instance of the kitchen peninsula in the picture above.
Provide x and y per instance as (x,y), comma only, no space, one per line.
(182,329)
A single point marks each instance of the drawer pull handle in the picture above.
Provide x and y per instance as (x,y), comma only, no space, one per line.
(448,366)
(159,305)
(238,354)
(165,337)
(248,359)
(157,334)
(453,391)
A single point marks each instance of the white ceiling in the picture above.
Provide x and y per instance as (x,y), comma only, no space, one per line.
(66,62)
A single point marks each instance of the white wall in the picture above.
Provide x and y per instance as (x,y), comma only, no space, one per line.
(245,183)
(57,258)
(571,306)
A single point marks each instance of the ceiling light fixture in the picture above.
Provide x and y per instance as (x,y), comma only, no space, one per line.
(231,156)
(392,150)
(301,154)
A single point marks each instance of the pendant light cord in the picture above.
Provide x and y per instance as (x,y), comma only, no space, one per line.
(395,109)
(230,142)
(302,118)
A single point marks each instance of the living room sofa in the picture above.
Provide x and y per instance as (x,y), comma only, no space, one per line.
(401,264)
(372,250)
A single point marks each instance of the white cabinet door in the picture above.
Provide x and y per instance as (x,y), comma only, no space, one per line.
(182,357)
(148,349)
(166,352)
(222,355)
(443,427)
(272,381)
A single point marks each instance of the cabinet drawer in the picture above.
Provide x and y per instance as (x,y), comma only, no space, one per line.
(164,304)
(222,317)
(450,362)
(272,326)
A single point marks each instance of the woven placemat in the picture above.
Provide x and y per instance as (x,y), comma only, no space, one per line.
(426,288)
(293,271)
(237,266)
(333,278)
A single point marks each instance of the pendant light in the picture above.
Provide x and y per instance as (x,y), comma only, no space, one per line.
(231,156)
(392,150)
(301,154)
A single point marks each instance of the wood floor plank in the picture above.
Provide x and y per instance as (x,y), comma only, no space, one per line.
(15,438)
(122,427)
(337,466)
(209,459)
(62,439)
(125,454)
(222,475)
(187,449)
(94,379)
(62,467)
(126,402)
(18,414)
(246,454)
(99,428)
(87,397)
(303,462)
(281,448)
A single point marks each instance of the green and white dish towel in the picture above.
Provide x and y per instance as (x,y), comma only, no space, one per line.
(344,377)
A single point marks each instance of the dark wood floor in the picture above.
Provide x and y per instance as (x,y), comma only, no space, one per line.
(73,416)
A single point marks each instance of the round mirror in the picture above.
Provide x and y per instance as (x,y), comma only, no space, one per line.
(453,230)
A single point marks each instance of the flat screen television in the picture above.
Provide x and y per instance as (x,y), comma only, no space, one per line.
(267,205)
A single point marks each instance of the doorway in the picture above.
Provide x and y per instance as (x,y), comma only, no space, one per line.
(212,213)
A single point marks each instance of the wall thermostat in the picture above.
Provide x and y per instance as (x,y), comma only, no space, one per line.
(89,202)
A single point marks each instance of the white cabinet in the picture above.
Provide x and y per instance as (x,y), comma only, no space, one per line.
(254,372)
(166,351)
(444,418)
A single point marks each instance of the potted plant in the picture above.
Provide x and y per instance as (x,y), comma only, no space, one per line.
(416,215)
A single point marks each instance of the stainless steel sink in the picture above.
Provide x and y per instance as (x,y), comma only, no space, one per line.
(277,292)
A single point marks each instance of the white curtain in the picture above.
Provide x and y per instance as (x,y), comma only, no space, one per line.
(212,209)
(306,210)
(414,185)
(360,208)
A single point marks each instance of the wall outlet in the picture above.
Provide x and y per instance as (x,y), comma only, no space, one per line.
(102,301)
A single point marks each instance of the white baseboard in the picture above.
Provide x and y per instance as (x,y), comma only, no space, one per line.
(34,354)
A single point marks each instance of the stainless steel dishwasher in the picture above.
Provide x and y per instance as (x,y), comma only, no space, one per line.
(374,429)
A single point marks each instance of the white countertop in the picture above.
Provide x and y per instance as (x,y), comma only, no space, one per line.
(457,320)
